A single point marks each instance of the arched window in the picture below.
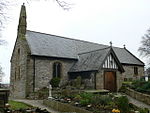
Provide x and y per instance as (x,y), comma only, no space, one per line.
(57,70)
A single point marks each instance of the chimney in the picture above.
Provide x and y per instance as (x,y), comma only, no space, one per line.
(22,20)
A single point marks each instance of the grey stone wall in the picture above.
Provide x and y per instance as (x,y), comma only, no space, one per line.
(139,96)
(18,76)
(29,76)
(44,71)
(129,72)
(89,83)
(63,107)
(100,80)
(119,79)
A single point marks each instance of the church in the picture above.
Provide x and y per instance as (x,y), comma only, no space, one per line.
(38,57)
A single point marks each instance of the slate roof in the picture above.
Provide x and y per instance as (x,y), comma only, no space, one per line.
(56,46)
(90,61)
(93,60)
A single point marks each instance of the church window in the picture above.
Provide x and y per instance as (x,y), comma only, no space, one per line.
(18,72)
(135,71)
(57,70)
(15,74)
(18,55)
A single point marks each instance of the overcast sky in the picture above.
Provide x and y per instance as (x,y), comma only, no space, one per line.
(100,21)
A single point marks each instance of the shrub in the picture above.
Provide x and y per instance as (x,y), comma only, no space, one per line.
(85,98)
(127,83)
(105,100)
(145,110)
(140,89)
(102,100)
(123,104)
(77,98)
(96,100)
(55,82)
(141,86)
(146,85)
(84,102)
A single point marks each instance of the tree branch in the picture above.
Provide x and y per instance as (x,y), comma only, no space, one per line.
(64,5)
(144,49)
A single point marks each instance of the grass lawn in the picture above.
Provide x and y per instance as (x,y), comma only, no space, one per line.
(18,105)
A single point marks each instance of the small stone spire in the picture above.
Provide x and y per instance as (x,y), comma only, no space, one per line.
(22,20)
(110,43)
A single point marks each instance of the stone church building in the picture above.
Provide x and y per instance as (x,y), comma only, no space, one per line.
(38,57)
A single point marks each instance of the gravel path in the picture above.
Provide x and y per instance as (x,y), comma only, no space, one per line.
(36,103)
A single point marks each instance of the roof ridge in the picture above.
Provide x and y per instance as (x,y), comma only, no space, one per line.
(67,37)
(94,50)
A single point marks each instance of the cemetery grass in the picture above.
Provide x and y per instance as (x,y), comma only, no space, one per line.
(18,105)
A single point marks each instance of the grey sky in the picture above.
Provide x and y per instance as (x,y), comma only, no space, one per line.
(100,21)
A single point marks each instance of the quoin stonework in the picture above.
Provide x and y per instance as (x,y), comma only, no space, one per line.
(39,57)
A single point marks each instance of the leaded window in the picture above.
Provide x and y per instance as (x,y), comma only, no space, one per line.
(57,70)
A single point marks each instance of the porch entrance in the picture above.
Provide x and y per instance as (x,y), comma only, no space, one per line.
(110,81)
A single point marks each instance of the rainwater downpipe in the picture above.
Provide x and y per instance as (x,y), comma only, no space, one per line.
(33,74)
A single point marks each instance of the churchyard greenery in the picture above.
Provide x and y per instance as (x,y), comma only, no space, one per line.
(139,85)
(18,105)
(55,82)
(97,103)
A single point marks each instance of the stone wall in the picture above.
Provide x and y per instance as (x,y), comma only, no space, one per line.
(18,68)
(89,83)
(62,107)
(30,75)
(100,80)
(139,96)
(119,79)
(44,71)
(129,72)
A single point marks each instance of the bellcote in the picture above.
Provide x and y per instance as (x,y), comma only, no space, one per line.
(22,20)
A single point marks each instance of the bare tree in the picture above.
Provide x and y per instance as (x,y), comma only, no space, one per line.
(65,5)
(1,73)
(148,71)
(5,3)
(3,7)
(144,49)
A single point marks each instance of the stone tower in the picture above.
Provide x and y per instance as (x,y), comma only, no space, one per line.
(22,20)
(19,59)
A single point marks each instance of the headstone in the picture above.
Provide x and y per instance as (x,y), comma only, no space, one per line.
(146,78)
